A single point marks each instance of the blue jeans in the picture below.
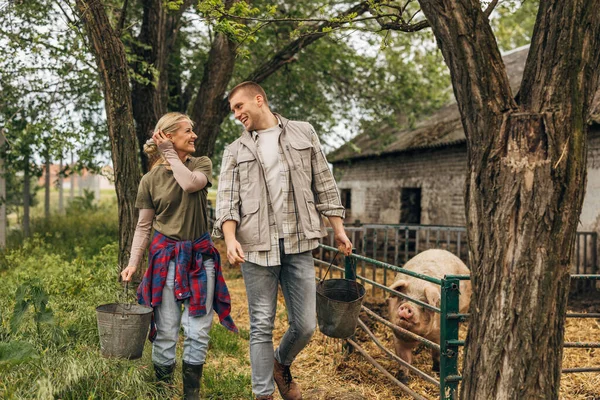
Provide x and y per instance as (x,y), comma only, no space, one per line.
(296,275)
(168,317)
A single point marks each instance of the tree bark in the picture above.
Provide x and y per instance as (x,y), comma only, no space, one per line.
(112,64)
(207,111)
(156,39)
(524,189)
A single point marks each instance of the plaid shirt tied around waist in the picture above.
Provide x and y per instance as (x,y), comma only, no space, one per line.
(190,277)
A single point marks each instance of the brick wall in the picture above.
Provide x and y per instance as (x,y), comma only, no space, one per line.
(376,184)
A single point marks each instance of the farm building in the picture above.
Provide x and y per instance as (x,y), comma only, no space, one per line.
(419,176)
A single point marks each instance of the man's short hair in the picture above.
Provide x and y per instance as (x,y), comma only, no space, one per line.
(249,87)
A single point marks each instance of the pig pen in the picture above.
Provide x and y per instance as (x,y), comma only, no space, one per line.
(373,339)
(396,244)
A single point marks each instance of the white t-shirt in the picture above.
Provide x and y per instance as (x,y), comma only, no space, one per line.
(268,149)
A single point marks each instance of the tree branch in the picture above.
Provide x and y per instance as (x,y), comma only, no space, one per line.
(16,37)
(490,8)
(322,20)
(284,55)
(122,18)
(404,27)
(72,22)
(174,24)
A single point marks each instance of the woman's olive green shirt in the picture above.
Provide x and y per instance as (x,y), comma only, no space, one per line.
(178,214)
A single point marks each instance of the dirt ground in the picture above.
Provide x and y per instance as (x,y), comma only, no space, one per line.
(325,373)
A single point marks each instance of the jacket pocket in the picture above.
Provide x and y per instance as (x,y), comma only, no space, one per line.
(314,218)
(247,165)
(248,229)
(301,152)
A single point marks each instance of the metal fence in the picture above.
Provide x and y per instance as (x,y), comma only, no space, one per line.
(450,346)
(396,244)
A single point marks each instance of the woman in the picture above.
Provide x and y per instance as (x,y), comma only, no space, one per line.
(183,264)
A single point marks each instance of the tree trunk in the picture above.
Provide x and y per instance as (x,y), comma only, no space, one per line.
(47,187)
(207,111)
(72,187)
(211,107)
(156,39)
(2,191)
(524,191)
(61,189)
(80,184)
(112,64)
(26,196)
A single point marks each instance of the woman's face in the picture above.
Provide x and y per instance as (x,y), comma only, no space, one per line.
(183,138)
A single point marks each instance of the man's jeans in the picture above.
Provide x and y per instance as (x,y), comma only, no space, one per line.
(168,317)
(296,274)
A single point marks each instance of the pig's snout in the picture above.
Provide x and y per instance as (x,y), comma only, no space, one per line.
(405,312)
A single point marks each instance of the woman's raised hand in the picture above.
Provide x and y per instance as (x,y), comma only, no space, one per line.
(160,137)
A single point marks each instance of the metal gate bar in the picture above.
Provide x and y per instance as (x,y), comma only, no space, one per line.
(370,359)
(414,369)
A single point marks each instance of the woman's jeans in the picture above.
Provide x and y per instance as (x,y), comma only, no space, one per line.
(168,317)
(296,275)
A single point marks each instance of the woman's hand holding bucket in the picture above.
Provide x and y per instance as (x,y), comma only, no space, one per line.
(128,272)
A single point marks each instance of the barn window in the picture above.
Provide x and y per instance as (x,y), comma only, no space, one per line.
(346,195)
(410,206)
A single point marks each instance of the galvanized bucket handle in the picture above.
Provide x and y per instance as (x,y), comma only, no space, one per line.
(124,304)
(330,264)
(328,268)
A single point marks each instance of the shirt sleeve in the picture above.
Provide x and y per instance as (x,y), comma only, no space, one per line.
(328,199)
(228,195)
(141,237)
(190,180)
(204,165)
(144,198)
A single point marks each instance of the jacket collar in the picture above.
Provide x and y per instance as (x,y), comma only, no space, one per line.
(283,121)
(249,138)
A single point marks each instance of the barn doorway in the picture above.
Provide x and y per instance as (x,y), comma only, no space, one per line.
(410,206)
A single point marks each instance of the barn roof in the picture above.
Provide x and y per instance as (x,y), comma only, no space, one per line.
(443,128)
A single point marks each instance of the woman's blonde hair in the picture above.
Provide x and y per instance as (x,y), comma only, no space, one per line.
(168,123)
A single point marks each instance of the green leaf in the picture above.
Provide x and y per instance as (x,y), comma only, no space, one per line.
(15,352)
(20,308)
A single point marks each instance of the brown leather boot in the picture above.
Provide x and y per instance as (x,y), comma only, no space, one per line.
(288,389)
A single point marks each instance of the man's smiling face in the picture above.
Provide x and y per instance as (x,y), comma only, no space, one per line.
(247,109)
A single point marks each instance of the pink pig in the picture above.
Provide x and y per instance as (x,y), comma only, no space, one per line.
(410,316)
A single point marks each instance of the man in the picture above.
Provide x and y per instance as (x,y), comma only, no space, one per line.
(274,186)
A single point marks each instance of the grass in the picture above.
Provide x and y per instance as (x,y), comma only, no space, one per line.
(49,346)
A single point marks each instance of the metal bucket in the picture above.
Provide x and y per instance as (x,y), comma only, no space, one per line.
(123,329)
(338,306)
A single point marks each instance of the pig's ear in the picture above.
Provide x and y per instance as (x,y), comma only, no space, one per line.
(398,285)
(432,295)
